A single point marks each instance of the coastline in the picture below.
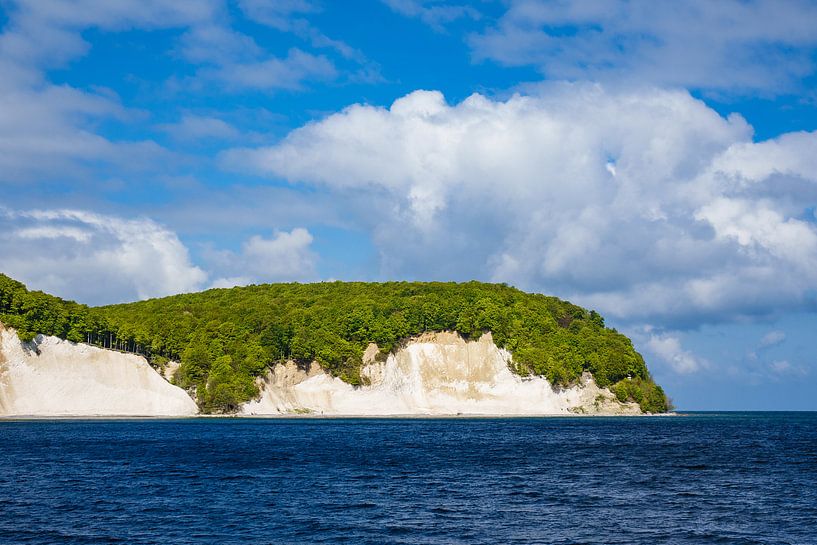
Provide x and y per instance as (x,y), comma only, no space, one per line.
(440,375)
(297,416)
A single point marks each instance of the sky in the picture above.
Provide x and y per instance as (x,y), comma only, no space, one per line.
(655,161)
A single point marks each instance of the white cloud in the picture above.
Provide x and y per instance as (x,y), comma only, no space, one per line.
(282,255)
(46,33)
(780,366)
(276,13)
(231,282)
(215,43)
(236,62)
(99,259)
(94,258)
(765,45)
(668,348)
(434,13)
(288,72)
(784,367)
(45,232)
(197,127)
(772,338)
(48,129)
(287,256)
(287,16)
(637,203)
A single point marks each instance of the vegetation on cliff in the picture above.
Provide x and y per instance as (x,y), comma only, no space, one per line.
(33,312)
(225,338)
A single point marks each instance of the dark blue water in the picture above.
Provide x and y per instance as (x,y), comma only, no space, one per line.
(732,479)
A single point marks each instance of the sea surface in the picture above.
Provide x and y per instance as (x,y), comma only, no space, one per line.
(731,478)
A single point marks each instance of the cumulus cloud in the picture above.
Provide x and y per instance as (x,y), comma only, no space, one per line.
(99,259)
(668,348)
(765,45)
(647,205)
(282,255)
(94,258)
(286,256)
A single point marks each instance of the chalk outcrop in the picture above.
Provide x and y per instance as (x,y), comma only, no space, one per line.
(434,374)
(53,377)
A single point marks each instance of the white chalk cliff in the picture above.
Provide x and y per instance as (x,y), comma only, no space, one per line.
(53,377)
(435,374)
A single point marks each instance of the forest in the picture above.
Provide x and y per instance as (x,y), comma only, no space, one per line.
(226,338)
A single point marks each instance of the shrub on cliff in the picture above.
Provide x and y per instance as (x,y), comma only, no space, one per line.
(649,396)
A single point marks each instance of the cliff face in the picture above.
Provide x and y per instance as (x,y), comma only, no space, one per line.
(435,374)
(53,377)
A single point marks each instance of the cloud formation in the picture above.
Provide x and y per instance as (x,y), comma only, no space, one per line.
(646,204)
(49,129)
(286,256)
(99,259)
(668,348)
(235,62)
(784,367)
(762,45)
(95,258)
(289,72)
(197,127)
(434,13)
(289,16)
(772,338)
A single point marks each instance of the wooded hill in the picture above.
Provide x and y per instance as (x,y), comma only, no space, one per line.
(225,338)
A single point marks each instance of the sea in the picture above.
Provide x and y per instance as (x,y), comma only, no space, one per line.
(697,478)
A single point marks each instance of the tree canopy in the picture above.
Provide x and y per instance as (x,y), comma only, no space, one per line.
(225,338)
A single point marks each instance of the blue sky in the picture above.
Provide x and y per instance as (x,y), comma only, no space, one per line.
(655,161)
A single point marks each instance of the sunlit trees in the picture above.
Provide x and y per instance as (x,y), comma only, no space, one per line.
(225,338)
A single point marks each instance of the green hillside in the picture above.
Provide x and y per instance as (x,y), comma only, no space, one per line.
(225,338)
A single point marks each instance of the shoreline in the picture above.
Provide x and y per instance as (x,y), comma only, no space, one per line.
(296,416)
